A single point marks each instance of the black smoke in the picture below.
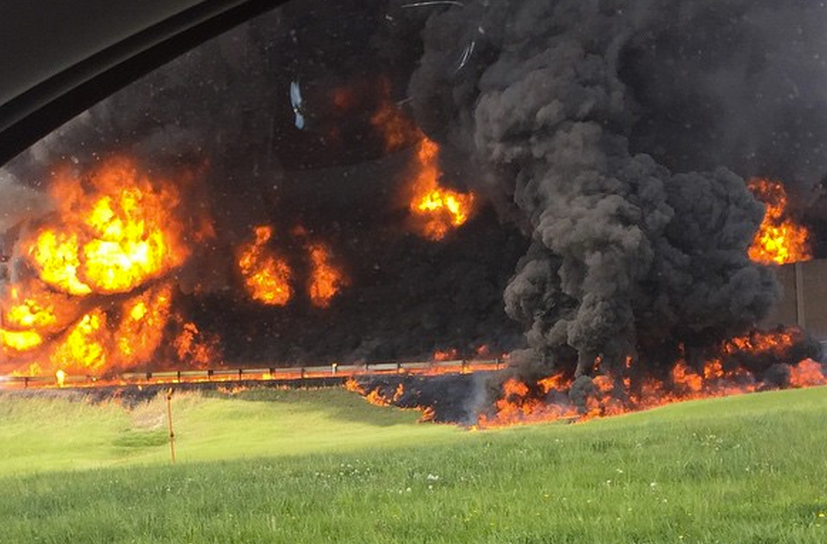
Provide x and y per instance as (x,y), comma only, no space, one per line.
(618,134)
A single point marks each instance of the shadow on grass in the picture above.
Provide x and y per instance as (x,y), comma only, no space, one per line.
(334,402)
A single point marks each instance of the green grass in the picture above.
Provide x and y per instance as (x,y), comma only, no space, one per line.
(49,434)
(323,466)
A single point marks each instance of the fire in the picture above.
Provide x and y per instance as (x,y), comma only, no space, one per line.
(446,355)
(83,348)
(436,210)
(519,404)
(686,379)
(763,342)
(195,348)
(20,340)
(396,128)
(142,326)
(96,296)
(101,340)
(376,396)
(114,230)
(56,254)
(557,382)
(807,373)
(779,240)
(266,277)
(28,319)
(325,279)
(549,399)
(380,396)
(29,313)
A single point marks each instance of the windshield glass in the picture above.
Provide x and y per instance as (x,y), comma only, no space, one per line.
(266,198)
(602,192)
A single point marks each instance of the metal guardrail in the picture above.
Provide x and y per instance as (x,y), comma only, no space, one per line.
(258,373)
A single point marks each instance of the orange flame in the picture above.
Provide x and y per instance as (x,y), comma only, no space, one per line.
(378,398)
(686,379)
(325,280)
(518,405)
(397,129)
(807,373)
(436,210)
(195,348)
(548,399)
(763,342)
(446,355)
(141,329)
(266,277)
(779,240)
(373,396)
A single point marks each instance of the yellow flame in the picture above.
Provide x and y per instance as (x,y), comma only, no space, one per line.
(437,210)
(779,240)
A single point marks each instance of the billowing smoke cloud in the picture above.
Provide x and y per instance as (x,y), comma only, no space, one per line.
(617,132)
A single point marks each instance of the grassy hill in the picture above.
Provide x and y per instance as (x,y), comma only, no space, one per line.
(324,466)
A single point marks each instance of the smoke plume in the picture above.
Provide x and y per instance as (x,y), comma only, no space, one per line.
(618,134)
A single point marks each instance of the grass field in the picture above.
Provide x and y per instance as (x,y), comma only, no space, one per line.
(324,466)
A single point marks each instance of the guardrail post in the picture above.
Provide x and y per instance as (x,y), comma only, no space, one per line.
(209,375)
(170,391)
(25,382)
(240,373)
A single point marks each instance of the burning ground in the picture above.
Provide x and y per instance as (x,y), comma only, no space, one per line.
(601,189)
